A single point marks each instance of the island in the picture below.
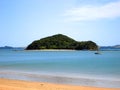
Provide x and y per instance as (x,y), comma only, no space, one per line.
(110,48)
(60,41)
(6,47)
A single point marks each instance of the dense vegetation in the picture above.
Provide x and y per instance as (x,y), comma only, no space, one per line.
(60,41)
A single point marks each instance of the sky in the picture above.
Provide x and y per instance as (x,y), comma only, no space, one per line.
(23,21)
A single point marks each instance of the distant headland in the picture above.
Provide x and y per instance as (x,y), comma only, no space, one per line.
(12,48)
(60,41)
(6,47)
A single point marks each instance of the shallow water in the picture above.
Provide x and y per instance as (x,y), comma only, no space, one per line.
(67,67)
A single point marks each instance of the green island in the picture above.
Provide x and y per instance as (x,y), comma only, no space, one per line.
(60,41)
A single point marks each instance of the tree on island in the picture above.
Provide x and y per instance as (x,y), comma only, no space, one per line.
(60,41)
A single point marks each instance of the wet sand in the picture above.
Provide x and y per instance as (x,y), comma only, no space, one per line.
(9,84)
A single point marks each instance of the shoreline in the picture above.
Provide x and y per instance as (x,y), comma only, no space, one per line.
(9,84)
(51,50)
(62,79)
(14,49)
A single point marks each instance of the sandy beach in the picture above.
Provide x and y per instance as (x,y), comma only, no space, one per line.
(8,84)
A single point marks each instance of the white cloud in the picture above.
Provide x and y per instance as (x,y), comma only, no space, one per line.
(109,10)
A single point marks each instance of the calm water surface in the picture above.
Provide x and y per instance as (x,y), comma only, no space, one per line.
(56,66)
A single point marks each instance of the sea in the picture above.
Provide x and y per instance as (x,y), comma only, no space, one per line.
(84,68)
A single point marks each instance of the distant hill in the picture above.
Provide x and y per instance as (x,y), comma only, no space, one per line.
(115,47)
(6,47)
(12,48)
(60,41)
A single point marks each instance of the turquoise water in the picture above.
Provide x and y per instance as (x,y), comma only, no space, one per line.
(67,67)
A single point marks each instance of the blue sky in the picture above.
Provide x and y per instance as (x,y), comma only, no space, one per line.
(23,21)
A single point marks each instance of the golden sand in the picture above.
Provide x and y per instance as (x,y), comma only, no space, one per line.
(7,84)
